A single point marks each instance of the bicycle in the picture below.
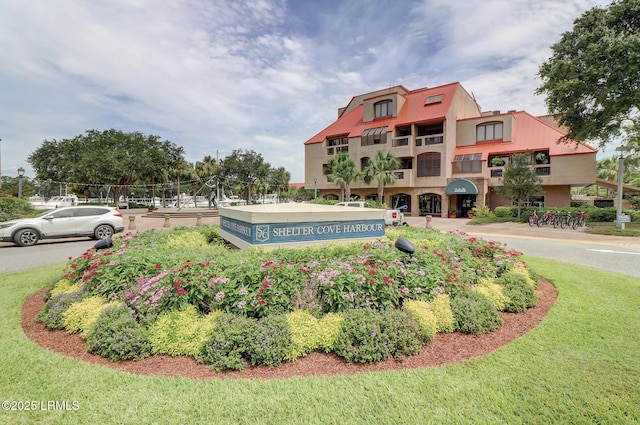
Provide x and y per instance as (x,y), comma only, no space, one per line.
(533,219)
(547,218)
(581,220)
(566,220)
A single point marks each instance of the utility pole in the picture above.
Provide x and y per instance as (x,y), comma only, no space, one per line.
(622,150)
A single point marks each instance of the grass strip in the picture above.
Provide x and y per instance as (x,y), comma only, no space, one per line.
(581,365)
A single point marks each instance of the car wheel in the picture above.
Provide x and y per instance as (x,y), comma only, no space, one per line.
(103,231)
(26,237)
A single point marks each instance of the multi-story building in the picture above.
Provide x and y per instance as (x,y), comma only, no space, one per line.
(446,146)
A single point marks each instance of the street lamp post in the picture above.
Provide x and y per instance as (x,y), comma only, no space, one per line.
(20,174)
(315,188)
(622,150)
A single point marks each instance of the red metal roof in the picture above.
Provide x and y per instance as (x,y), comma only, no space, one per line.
(529,133)
(414,110)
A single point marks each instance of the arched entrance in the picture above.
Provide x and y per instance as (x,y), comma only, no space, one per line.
(462,196)
(430,204)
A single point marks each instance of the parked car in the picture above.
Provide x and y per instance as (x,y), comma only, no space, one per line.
(393,217)
(96,222)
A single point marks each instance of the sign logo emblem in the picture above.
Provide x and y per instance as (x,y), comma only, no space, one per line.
(262,232)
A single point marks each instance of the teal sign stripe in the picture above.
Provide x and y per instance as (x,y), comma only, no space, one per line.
(269,233)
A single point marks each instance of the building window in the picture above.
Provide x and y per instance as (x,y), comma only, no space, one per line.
(467,163)
(429,164)
(434,99)
(337,144)
(364,161)
(383,109)
(491,131)
(374,136)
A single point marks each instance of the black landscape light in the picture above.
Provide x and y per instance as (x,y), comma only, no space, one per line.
(403,244)
(104,243)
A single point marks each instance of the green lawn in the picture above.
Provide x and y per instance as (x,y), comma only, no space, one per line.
(581,365)
(630,229)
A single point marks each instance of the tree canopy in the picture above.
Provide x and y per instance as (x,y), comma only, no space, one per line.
(109,157)
(519,179)
(245,168)
(592,79)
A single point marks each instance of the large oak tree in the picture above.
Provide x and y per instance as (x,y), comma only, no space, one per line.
(109,157)
(592,79)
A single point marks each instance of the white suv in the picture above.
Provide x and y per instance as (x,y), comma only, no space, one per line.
(97,222)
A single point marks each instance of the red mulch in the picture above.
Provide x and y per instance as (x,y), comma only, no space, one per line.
(445,348)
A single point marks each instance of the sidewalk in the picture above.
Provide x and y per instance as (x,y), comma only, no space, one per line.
(519,230)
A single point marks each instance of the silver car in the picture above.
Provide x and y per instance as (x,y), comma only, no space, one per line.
(96,222)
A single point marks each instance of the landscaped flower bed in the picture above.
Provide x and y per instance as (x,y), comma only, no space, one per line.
(183,292)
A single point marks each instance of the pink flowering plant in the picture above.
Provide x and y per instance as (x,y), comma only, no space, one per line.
(150,274)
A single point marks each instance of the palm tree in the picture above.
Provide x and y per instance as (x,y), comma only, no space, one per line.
(279,179)
(342,171)
(381,169)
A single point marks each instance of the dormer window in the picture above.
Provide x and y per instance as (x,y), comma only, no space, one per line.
(434,99)
(383,109)
(489,131)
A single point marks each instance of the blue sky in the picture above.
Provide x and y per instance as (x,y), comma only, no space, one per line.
(217,75)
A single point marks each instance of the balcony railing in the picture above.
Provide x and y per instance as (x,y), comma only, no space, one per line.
(540,171)
(543,171)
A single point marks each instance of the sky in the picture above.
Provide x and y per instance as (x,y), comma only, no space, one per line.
(214,76)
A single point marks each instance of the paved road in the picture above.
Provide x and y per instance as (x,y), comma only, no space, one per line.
(619,254)
(614,253)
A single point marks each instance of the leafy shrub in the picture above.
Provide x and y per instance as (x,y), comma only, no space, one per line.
(212,234)
(12,207)
(269,341)
(186,240)
(520,291)
(52,312)
(181,332)
(601,214)
(237,341)
(62,286)
(309,333)
(226,347)
(482,211)
(304,333)
(81,316)
(474,314)
(369,335)
(441,308)
(117,335)
(503,212)
(528,275)
(329,329)
(421,311)
(493,292)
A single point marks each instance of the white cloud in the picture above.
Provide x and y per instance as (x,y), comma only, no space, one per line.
(263,75)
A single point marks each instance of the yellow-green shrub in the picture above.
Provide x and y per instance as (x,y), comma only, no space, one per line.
(81,316)
(521,270)
(493,292)
(441,308)
(421,311)
(181,332)
(64,286)
(330,326)
(187,240)
(308,333)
